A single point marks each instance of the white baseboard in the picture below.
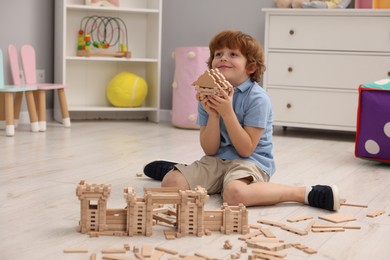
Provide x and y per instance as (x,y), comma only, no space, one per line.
(165,115)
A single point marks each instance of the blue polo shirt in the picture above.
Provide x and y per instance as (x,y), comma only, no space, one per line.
(252,107)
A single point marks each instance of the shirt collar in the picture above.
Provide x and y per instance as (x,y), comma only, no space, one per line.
(245,85)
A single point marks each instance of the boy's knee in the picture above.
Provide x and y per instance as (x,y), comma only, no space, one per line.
(175,179)
(233,195)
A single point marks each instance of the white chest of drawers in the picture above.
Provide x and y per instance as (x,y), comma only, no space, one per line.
(316,60)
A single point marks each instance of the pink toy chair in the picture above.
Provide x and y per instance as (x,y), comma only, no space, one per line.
(29,70)
(7,102)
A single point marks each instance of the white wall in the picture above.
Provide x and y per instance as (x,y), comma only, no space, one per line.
(29,21)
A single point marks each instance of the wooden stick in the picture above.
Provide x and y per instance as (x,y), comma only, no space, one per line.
(168,251)
(345,227)
(113,251)
(76,250)
(353,205)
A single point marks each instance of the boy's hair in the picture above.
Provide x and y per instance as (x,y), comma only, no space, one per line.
(248,46)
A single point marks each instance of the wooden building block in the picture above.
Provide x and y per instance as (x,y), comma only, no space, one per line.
(270,222)
(353,205)
(147,251)
(267,233)
(344,227)
(76,250)
(169,234)
(331,229)
(337,218)
(294,230)
(297,219)
(375,213)
(117,257)
(250,235)
(266,252)
(113,251)
(165,250)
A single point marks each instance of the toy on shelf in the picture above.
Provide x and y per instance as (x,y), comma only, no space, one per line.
(103,3)
(103,33)
(127,89)
(211,82)
(138,215)
(312,3)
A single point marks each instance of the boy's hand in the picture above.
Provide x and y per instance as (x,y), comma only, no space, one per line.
(204,100)
(222,105)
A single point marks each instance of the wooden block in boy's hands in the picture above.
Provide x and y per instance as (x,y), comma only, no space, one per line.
(211,82)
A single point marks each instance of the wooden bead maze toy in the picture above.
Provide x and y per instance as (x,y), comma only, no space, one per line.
(103,33)
(138,215)
(212,82)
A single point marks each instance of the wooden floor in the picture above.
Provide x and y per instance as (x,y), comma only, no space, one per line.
(39,210)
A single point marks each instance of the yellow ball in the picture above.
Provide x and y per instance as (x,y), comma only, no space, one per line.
(127,89)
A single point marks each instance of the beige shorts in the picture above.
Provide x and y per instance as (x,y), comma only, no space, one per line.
(213,173)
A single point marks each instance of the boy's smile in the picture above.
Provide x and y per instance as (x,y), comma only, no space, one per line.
(232,64)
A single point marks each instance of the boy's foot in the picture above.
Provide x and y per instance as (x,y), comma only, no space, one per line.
(158,169)
(325,197)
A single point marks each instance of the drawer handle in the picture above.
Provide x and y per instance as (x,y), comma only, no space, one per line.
(291,32)
(288,105)
(290,69)
(388,73)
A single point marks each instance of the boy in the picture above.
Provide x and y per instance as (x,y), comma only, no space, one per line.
(236,137)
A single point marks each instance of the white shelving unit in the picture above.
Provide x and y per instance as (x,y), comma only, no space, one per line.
(317,58)
(87,77)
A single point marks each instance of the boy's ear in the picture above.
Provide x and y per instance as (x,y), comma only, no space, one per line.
(251,69)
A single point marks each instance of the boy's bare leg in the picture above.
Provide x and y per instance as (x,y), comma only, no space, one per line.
(261,193)
(174,178)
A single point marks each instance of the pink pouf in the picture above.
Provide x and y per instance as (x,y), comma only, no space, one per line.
(190,62)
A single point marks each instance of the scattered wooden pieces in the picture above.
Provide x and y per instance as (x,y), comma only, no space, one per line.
(169,234)
(93,256)
(353,205)
(113,251)
(227,244)
(165,250)
(337,218)
(267,233)
(269,253)
(375,213)
(76,250)
(138,174)
(147,251)
(304,248)
(117,257)
(328,229)
(344,227)
(270,222)
(250,235)
(297,219)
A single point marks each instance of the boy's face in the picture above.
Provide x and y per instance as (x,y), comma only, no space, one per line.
(232,64)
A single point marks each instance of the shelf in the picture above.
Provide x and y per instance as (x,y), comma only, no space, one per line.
(113,9)
(110,109)
(77,58)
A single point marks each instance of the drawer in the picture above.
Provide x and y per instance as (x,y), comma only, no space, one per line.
(325,70)
(298,107)
(321,32)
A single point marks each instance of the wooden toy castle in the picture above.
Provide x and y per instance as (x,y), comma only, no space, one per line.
(138,216)
(211,82)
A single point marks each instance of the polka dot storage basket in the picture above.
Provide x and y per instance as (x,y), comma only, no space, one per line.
(373,121)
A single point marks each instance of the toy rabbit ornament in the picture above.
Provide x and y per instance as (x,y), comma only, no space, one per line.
(312,4)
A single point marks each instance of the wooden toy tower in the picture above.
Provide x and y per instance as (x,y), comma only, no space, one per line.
(93,202)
